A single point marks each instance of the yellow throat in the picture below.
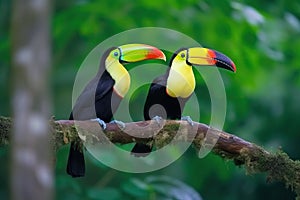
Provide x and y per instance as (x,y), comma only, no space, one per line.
(120,75)
(181,79)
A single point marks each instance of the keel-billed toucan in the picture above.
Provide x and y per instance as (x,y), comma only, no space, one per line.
(168,93)
(101,97)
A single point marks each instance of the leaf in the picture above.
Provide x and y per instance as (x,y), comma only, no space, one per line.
(161,187)
(104,194)
(173,188)
(136,188)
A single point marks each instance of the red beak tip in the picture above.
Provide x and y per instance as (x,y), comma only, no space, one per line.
(234,67)
(156,54)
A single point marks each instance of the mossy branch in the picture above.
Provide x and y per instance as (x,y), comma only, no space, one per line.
(278,166)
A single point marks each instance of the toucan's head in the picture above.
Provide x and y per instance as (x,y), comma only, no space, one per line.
(116,57)
(181,79)
(202,56)
(130,53)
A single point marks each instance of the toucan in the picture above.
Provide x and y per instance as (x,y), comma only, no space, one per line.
(103,94)
(168,93)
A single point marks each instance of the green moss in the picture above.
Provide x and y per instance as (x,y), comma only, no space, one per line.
(166,136)
(62,135)
(282,168)
(172,127)
(278,166)
(72,135)
(5,127)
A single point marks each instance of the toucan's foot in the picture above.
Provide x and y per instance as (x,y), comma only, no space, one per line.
(119,123)
(101,122)
(158,119)
(188,119)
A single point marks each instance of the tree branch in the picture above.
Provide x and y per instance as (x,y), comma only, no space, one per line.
(278,166)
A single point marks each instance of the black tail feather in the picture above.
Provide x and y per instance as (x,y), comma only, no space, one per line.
(76,164)
(141,150)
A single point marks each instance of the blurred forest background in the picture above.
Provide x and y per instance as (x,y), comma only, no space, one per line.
(263,97)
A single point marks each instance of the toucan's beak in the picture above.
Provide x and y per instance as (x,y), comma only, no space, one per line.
(204,56)
(138,52)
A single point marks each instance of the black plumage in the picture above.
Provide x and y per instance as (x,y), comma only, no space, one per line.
(169,93)
(159,103)
(97,100)
(103,94)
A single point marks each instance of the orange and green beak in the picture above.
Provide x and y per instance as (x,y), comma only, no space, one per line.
(138,52)
(204,56)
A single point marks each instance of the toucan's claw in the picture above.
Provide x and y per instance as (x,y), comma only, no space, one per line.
(120,124)
(101,122)
(158,119)
(188,119)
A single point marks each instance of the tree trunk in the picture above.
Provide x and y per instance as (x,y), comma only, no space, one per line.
(31,169)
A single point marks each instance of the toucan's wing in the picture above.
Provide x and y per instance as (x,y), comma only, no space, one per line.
(155,93)
(159,103)
(106,100)
(95,91)
(105,85)
(157,86)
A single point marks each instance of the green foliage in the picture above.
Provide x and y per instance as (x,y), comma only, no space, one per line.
(261,37)
(104,194)
(161,187)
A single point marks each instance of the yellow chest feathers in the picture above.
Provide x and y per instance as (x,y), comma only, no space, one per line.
(181,80)
(121,77)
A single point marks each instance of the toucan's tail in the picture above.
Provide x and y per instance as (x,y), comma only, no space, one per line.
(141,150)
(76,164)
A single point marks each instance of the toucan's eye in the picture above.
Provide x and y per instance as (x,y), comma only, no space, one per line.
(116,54)
(182,55)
